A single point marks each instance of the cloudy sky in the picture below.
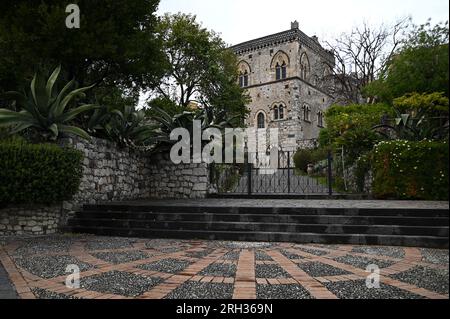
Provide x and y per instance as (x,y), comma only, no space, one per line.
(242,20)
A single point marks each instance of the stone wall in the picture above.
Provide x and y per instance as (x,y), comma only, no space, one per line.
(167,180)
(111,173)
(30,220)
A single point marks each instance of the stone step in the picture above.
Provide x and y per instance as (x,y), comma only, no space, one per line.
(264,227)
(267,218)
(271,210)
(358,239)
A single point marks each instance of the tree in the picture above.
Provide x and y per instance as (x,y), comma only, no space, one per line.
(360,56)
(200,70)
(114,46)
(421,65)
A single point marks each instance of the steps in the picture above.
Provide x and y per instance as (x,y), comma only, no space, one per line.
(364,226)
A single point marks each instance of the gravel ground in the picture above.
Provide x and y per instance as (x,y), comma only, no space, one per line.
(394,252)
(431,279)
(270,271)
(290,255)
(53,244)
(169,250)
(171,266)
(46,294)
(122,283)
(313,251)
(359,290)
(282,292)
(219,270)
(261,255)
(50,266)
(155,243)
(317,269)
(239,245)
(232,255)
(104,243)
(363,262)
(200,254)
(200,290)
(435,256)
(122,257)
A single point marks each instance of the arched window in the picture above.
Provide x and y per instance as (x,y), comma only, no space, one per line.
(306,113)
(278,72)
(283,70)
(243,79)
(244,73)
(281,112)
(280,63)
(276,113)
(261,120)
(304,67)
(320,119)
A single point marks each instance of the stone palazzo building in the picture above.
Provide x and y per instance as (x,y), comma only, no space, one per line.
(283,74)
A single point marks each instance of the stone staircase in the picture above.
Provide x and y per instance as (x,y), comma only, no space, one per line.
(365,226)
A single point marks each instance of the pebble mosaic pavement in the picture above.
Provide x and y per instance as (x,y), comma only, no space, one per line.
(123,268)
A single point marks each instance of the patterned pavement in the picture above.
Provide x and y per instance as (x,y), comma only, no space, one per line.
(123,268)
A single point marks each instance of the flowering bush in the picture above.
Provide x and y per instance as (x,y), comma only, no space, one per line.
(411,170)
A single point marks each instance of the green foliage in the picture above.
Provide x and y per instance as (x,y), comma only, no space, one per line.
(127,127)
(166,123)
(38,174)
(304,157)
(351,127)
(46,109)
(115,45)
(421,65)
(418,117)
(200,68)
(411,170)
(434,104)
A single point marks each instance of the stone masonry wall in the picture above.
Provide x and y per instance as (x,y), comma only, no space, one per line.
(111,173)
(30,220)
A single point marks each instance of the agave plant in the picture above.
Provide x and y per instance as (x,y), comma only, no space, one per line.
(128,127)
(46,109)
(167,123)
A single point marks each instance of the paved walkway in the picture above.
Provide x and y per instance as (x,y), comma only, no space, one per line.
(121,268)
(282,203)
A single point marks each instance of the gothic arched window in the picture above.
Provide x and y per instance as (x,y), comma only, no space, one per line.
(278,72)
(243,79)
(306,113)
(280,63)
(244,73)
(276,113)
(304,67)
(281,112)
(320,119)
(261,120)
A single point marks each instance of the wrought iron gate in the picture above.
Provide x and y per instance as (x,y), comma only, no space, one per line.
(253,179)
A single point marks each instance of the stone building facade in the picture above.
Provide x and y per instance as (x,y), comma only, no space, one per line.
(283,74)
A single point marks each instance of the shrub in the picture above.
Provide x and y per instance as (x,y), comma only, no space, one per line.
(411,170)
(38,173)
(304,157)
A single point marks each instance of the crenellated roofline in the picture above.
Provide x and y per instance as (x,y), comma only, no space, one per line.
(291,35)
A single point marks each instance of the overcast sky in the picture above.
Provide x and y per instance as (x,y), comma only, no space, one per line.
(242,20)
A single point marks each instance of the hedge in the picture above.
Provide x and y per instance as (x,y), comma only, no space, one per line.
(38,173)
(411,170)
